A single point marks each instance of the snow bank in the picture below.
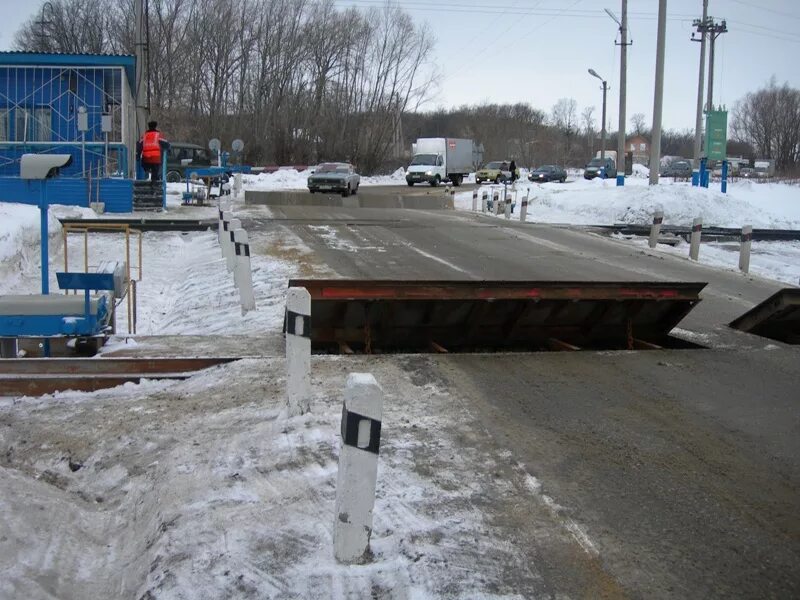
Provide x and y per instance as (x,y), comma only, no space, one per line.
(291,179)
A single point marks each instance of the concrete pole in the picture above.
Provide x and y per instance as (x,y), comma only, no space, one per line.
(712,40)
(698,123)
(358,468)
(298,351)
(140,85)
(230,258)
(744,252)
(474,200)
(242,273)
(655,229)
(603,128)
(655,143)
(623,86)
(694,247)
(523,211)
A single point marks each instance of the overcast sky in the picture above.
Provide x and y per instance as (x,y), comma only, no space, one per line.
(538,51)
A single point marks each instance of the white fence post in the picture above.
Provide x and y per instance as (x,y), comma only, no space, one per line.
(523,211)
(655,228)
(225,233)
(358,467)
(475,200)
(237,184)
(484,201)
(496,201)
(230,259)
(298,350)
(744,252)
(242,273)
(697,229)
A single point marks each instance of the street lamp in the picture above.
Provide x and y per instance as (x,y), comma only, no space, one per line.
(593,73)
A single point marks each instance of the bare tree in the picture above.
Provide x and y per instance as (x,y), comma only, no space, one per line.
(564,118)
(638,124)
(588,125)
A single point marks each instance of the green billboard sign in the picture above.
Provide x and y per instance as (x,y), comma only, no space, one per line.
(716,134)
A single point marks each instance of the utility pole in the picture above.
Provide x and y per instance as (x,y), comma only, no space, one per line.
(623,85)
(701,26)
(593,73)
(142,106)
(714,31)
(655,143)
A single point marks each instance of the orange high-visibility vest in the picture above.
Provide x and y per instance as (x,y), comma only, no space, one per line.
(151,149)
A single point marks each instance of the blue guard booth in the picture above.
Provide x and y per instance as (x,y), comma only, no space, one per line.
(76,104)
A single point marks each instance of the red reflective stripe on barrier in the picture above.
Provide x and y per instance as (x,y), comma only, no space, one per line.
(658,220)
(697,228)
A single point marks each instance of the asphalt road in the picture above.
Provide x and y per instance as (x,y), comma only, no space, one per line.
(680,466)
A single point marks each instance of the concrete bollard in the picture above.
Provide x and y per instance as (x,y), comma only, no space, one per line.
(484,201)
(220,229)
(523,211)
(237,184)
(225,233)
(496,202)
(358,467)
(744,252)
(655,228)
(298,351)
(474,200)
(694,248)
(507,193)
(242,272)
(230,258)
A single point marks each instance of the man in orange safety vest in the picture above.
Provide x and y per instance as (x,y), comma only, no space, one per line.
(149,150)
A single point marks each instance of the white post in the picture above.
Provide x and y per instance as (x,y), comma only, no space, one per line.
(237,184)
(697,228)
(474,200)
(230,259)
(227,216)
(496,201)
(220,229)
(358,467)
(298,350)
(242,274)
(523,211)
(744,253)
(655,228)
(484,201)
(507,201)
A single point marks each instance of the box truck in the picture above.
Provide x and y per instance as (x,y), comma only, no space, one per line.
(440,159)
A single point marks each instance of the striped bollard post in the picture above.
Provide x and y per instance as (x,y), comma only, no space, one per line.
(474,200)
(242,273)
(237,184)
(655,228)
(298,351)
(496,201)
(220,229)
(744,252)
(358,467)
(694,248)
(507,202)
(230,258)
(523,211)
(484,201)
(225,233)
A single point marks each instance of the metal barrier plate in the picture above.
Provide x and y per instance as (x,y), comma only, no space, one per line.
(409,316)
(777,318)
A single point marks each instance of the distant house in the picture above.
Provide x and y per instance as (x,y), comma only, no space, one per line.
(639,147)
(42,100)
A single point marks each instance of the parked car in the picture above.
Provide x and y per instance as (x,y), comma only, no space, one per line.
(747,172)
(495,172)
(678,168)
(181,152)
(334,177)
(548,173)
(598,166)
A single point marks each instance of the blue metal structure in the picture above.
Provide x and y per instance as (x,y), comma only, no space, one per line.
(41,97)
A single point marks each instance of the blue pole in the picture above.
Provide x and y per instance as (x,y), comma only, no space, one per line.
(703,172)
(163,179)
(724,176)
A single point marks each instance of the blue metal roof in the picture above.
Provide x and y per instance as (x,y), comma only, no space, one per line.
(48,59)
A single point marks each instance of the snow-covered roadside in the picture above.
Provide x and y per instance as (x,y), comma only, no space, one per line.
(291,179)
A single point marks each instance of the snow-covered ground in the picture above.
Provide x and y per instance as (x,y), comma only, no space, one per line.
(598,202)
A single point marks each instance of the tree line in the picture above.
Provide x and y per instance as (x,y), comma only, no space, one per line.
(302,81)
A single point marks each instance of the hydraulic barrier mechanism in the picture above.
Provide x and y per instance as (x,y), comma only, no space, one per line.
(468,316)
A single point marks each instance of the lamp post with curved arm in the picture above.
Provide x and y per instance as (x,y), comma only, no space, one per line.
(593,73)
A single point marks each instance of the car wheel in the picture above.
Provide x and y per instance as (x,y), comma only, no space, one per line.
(436,181)
(355,190)
(310,191)
(174,176)
(346,191)
(410,183)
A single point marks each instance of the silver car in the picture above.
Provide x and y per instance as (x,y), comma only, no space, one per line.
(334,177)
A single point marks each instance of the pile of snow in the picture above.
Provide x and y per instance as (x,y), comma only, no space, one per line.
(291,179)
(640,171)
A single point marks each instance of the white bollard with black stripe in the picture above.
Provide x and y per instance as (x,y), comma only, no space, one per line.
(242,273)
(237,184)
(475,200)
(484,201)
(496,201)
(507,193)
(230,258)
(224,233)
(298,351)
(697,230)
(523,210)
(744,252)
(358,467)
(655,228)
